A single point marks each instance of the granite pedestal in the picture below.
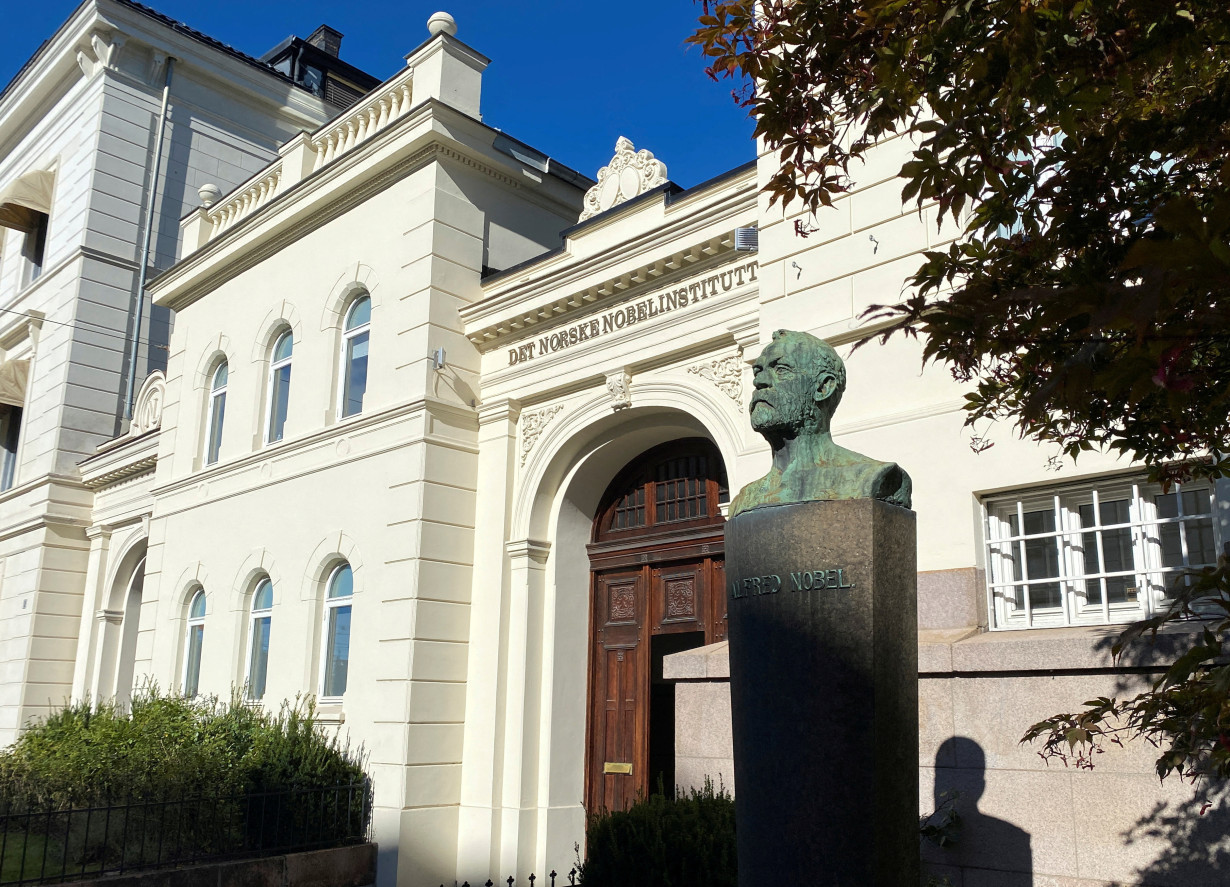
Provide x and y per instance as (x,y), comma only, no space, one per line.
(822,611)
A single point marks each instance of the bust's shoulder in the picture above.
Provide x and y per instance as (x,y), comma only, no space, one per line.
(750,496)
(871,478)
(890,483)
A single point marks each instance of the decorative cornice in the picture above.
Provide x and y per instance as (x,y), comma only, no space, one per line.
(642,279)
(724,372)
(532,425)
(142,466)
(467,160)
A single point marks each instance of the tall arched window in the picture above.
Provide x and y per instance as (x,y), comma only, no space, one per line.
(336,653)
(354,355)
(258,638)
(217,413)
(193,643)
(279,386)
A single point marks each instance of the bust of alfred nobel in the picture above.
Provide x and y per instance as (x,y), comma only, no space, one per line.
(798,381)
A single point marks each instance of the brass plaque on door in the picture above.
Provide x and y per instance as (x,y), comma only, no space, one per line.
(610,767)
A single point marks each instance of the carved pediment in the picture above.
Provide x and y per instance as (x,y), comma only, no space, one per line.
(629,174)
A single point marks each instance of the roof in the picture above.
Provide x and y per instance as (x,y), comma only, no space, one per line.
(668,191)
(165,20)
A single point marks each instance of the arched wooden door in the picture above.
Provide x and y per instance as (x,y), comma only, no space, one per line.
(657,588)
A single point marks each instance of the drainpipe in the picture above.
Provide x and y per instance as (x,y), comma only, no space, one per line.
(145,244)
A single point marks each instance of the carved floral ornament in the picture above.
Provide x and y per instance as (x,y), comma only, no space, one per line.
(532,425)
(619,387)
(724,372)
(629,174)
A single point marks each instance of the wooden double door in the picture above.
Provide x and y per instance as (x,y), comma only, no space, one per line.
(656,588)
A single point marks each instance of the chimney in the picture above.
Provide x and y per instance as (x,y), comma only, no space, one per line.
(327,40)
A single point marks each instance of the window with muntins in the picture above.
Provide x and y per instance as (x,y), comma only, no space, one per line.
(217,414)
(1094,555)
(356,332)
(258,639)
(671,487)
(193,643)
(279,387)
(336,634)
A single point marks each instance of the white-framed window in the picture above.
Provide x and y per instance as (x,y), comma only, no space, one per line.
(1094,554)
(355,334)
(279,387)
(335,632)
(216,414)
(194,641)
(258,639)
(34,246)
(10,439)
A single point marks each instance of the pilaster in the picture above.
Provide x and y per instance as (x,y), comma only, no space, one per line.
(88,637)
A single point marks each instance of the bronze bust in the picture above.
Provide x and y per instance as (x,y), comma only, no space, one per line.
(798,382)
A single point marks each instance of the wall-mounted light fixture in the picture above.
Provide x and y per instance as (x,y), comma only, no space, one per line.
(437,359)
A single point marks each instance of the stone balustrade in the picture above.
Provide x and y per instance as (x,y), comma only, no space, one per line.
(367,118)
(337,137)
(244,200)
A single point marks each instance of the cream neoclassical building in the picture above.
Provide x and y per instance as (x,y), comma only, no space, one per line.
(446,436)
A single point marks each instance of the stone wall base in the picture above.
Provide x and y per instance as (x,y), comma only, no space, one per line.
(353,866)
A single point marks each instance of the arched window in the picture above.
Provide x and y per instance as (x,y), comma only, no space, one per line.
(217,413)
(279,386)
(336,653)
(677,486)
(193,643)
(354,355)
(258,638)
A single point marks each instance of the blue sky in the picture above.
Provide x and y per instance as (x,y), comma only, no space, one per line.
(566,77)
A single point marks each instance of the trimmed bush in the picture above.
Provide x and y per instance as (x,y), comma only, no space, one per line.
(664,842)
(173,779)
(169,746)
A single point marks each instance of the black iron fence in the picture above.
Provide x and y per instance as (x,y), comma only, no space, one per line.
(550,880)
(48,845)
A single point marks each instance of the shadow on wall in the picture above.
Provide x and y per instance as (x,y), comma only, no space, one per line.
(1191,837)
(1195,836)
(979,841)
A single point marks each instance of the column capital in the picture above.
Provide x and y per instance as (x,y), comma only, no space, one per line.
(99,531)
(503,409)
(528,549)
(746,333)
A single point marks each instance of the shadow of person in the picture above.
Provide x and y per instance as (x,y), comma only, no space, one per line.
(999,849)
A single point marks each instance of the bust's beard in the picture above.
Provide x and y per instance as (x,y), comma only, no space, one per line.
(786,421)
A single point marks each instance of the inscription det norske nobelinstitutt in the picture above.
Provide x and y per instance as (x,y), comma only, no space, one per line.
(683,296)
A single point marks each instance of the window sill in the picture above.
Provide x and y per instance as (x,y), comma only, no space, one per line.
(330,712)
(1074,648)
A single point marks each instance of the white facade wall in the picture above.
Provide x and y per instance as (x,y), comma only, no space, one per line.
(391,490)
(87,109)
(464,496)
